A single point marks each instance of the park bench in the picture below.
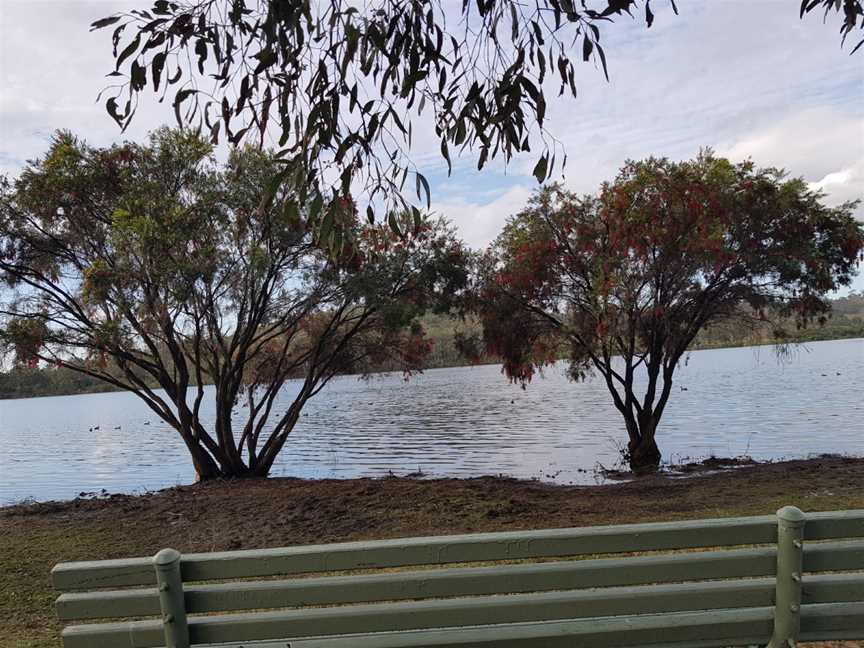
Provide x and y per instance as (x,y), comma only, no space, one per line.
(734,581)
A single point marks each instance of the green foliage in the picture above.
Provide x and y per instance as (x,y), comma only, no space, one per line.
(626,279)
(25,335)
(851,10)
(151,266)
(340,85)
(23,382)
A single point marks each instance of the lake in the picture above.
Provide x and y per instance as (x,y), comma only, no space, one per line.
(465,421)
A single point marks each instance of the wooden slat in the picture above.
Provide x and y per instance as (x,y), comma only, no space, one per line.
(831,621)
(108,604)
(694,630)
(436,550)
(129,634)
(834,556)
(704,565)
(568,642)
(834,525)
(438,583)
(378,618)
(480,581)
(548,543)
(103,573)
(824,622)
(833,588)
(387,617)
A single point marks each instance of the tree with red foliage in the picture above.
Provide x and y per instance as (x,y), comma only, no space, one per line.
(157,270)
(622,281)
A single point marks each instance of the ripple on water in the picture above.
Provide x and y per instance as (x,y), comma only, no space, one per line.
(457,422)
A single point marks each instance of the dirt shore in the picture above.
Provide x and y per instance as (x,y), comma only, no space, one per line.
(278,512)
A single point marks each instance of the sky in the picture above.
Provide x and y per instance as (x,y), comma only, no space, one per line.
(745,77)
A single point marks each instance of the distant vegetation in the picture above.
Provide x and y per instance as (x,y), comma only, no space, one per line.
(25,382)
(847,321)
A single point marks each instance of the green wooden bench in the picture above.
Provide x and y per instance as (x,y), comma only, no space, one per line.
(736,581)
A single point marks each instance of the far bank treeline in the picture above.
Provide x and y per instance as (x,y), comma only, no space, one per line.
(847,321)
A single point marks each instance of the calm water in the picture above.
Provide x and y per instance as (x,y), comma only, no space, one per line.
(462,421)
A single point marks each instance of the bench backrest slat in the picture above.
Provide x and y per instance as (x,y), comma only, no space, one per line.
(571,604)
(689,566)
(727,623)
(466,581)
(435,583)
(834,556)
(832,621)
(747,627)
(387,617)
(830,525)
(441,550)
(437,550)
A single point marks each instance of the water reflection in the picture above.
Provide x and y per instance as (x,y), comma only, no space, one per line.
(463,422)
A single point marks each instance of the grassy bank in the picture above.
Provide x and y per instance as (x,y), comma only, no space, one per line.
(277,512)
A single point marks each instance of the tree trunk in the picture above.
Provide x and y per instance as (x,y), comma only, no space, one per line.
(643,454)
(642,451)
(227,471)
(261,470)
(205,467)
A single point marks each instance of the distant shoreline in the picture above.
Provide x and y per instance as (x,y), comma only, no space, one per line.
(103,388)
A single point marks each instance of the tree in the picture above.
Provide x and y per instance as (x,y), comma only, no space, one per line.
(149,266)
(623,281)
(342,86)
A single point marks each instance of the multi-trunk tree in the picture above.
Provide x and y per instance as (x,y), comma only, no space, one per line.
(157,270)
(623,281)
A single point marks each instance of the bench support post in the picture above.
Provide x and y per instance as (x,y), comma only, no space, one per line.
(170,584)
(790,560)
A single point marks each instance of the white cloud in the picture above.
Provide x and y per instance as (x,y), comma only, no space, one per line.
(745,77)
(844,185)
(823,145)
(51,71)
(834,179)
(815,143)
(480,220)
